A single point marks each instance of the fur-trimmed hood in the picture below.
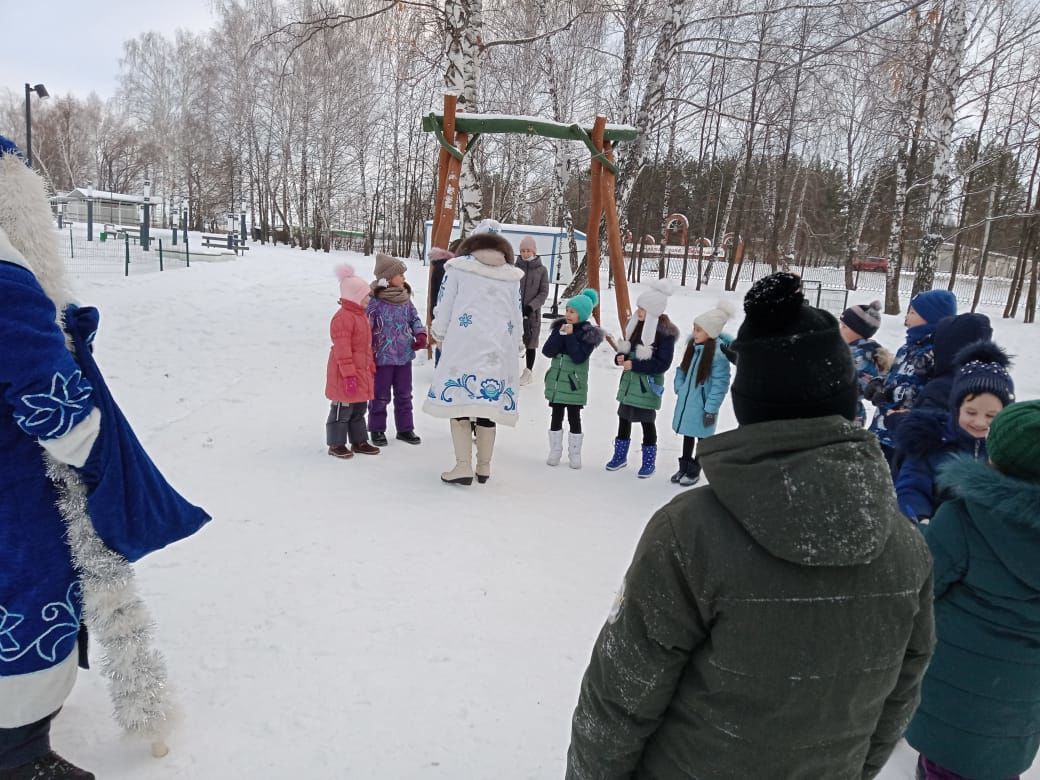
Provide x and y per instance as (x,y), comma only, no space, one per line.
(923,433)
(477,242)
(474,265)
(586,331)
(1004,510)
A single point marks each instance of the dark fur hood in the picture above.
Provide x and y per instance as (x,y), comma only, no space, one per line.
(923,432)
(588,332)
(666,327)
(492,241)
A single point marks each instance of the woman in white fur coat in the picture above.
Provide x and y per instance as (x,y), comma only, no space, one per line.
(479,325)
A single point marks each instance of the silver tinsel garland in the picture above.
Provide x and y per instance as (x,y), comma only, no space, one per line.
(116,617)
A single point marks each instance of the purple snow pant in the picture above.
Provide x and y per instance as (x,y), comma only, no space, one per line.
(398,379)
(929,770)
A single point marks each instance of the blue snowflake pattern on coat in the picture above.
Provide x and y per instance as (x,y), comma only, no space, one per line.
(865,357)
(491,390)
(912,368)
(465,320)
(54,413)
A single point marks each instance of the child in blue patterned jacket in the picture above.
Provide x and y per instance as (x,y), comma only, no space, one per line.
(858,324)
(913,365)
(701,384)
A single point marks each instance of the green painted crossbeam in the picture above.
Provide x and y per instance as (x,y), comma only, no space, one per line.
(524,125)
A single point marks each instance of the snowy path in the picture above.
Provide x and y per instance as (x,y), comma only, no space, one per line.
(357,619)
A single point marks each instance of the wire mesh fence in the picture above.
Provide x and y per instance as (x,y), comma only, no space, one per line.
(714,270)
(120,254)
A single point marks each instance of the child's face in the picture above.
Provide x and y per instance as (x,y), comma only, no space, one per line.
(847,333)
(640,314)
(397,280)
(700,335)
(913,319)
(364,301)
(977,413)
(571,316)
(526,253)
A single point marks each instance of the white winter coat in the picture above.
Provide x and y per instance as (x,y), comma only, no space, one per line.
(479,325)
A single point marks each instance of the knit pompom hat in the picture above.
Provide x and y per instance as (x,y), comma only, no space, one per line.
(982,367)
(933,305)
(863,319)
(653,301)
(583,303)
(387,267)
(487,226)
(351,287)
(1013,442)
(714,320)
(792,362)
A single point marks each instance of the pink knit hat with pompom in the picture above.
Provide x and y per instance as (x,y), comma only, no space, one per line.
(351,286)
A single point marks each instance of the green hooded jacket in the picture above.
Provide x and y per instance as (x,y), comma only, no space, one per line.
(775,623)
(980,704)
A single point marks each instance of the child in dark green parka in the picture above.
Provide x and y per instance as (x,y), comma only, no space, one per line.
(980,704)
(571,342)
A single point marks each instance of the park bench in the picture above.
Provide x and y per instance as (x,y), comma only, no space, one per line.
(226,241)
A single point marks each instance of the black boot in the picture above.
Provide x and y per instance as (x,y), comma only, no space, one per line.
(379,438)
(692,475)
(408,436)
(683,465)
(47,767)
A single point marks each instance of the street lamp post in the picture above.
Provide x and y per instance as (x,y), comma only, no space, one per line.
(242,232)
(90,211)
(42,92)
(146,217)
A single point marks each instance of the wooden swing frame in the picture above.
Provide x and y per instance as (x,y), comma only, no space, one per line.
(458,133)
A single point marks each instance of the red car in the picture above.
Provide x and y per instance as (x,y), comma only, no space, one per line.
(870,264)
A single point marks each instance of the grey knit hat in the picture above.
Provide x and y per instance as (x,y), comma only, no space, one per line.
(864,320)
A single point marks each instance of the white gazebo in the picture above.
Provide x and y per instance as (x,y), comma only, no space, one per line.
(113,208)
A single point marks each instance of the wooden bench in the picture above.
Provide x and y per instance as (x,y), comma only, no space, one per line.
(226,241)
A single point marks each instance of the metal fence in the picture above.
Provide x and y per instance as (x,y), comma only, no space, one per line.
(120,255)
(994,289)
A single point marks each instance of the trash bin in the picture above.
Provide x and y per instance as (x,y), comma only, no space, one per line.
(104,235)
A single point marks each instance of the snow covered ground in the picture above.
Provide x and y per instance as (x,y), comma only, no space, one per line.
(358,618)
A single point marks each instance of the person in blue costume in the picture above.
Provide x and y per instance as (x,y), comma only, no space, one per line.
(79,500)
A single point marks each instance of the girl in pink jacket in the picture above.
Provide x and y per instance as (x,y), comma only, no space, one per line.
(350,375)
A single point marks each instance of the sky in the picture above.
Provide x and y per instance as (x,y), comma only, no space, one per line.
(72,46)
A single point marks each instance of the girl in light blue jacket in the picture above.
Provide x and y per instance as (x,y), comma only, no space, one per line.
(701,384)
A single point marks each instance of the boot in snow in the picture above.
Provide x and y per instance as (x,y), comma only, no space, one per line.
(47,767)
(683,465)
(462,440)
(692,475)
(341,452)
(555,448)
(649,461)
(526,377)
(620,459)
(574,449)
(485,448)
(379,438)
(408,437)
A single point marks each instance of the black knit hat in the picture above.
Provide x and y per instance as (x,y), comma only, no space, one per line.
(982,367)
(791,359)
(864,320)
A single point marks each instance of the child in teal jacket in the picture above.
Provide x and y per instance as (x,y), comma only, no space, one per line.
(701,384)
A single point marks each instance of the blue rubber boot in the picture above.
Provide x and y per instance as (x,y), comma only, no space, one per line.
(620,459)
(649,460)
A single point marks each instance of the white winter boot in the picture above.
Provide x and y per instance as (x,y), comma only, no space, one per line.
(485,448)
(574,449)
(555,448)
(526,377)
(462,439)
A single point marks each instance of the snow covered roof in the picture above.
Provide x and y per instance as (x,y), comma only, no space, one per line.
(531,230)
(80,193)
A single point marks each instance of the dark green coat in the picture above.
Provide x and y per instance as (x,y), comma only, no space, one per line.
(773,624)
(567,380)
(980,705)
(643,386)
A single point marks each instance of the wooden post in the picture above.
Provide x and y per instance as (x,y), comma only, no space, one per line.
(595,210)
(614,245)
(443,164)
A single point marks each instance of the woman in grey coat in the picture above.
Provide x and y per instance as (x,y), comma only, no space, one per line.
(534,289)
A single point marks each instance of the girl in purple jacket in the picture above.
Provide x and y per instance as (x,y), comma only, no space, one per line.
(397,332)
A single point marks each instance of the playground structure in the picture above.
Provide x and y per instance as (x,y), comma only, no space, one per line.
(458,133)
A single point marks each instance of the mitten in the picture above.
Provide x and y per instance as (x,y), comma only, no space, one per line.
(350,385)
(528,311)
(420,341)
(875,391)
(710,418)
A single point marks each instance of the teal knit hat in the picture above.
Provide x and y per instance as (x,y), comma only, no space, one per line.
(1013,442)
(583,303)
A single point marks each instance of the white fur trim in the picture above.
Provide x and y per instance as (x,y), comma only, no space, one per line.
(469,264)
(25,216)
(74,447)
(27,698)
(643,352)
(9,253)
(472,411)
(624,346)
